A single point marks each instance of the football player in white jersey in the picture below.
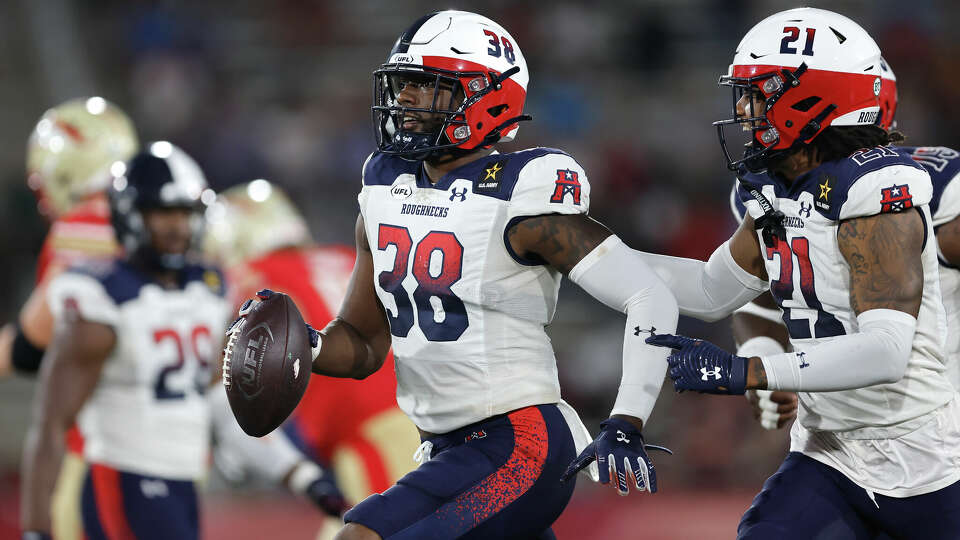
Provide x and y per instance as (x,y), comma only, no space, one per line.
(758,327)
(460,254)
(839,229)
(131,360)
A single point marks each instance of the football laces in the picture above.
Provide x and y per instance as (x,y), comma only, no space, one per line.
(233,332)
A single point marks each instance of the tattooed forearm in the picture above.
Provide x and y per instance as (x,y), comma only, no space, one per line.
(756,374)
(883,253)
(559,240)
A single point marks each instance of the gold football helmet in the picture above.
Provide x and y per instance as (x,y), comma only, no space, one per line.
(71,149)
(250,220)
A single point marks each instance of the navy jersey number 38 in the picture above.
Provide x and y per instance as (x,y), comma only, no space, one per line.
(451,311)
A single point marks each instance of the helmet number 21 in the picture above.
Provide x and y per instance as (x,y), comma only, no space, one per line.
(494,49)
(791,34)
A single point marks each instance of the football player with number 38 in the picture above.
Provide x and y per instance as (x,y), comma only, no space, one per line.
(839,229)
(460,252)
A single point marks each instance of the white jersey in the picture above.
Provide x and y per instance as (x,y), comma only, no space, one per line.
(466,313)
(147,414)
(809,279)
(943,164)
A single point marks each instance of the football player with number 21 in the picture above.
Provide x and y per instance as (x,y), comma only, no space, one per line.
(839,229)
(460,252)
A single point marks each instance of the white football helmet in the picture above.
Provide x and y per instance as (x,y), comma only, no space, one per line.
(71,148)
(250,220)
(888,96)
(814,68)
(469,54)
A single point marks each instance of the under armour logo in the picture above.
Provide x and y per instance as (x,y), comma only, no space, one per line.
(715,373)
(801,357)
(462,194)
(153,488)
(805,209)
(637,330)
(622,437)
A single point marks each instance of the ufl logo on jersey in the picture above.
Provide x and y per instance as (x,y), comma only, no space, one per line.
(895,199)
(567,184)
(401,191)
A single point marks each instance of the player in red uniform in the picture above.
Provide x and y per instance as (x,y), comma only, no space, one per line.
(69,154)
(264,242)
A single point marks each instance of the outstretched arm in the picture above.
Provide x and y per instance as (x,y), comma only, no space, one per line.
(355,344)
(734,275)
(617,276)
(68,375)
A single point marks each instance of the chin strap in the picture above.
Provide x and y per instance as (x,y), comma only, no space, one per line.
(496,133)
(771,222)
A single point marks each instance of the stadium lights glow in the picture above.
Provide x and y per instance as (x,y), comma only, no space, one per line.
(259,190)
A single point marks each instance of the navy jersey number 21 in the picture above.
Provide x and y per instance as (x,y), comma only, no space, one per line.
(437,284)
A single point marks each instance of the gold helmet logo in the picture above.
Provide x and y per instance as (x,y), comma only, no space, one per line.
(71,149)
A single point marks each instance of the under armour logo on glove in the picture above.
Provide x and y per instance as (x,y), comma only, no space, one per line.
(715,373)
(620,453)
(700,365)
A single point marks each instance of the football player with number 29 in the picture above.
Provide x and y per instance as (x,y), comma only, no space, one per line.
(130,359)
(460,252)
(839,229)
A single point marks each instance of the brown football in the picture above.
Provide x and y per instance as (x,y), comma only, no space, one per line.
(266,365)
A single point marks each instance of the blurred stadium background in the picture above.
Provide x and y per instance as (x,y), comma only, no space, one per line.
(281,90)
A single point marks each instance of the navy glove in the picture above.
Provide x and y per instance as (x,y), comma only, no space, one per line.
(619,447)
(702,366)
(262,295)
(325,493)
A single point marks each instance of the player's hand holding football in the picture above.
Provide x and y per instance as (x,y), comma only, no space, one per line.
(262,295)
(620,452)
(699,365)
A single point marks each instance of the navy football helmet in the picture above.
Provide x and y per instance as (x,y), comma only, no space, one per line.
(163,176)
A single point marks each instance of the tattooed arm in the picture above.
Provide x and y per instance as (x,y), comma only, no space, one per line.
(883,253)
(560,240)
(596,260)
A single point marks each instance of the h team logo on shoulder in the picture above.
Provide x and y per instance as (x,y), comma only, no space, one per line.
(568,183)
(895,199)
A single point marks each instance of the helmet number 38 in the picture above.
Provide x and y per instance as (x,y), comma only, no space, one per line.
(495,51)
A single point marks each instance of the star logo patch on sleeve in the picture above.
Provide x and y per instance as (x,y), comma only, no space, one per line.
(895,199)
(490,177)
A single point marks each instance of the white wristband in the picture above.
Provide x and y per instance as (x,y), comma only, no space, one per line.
(759,346)
(316,350)
(303,475)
